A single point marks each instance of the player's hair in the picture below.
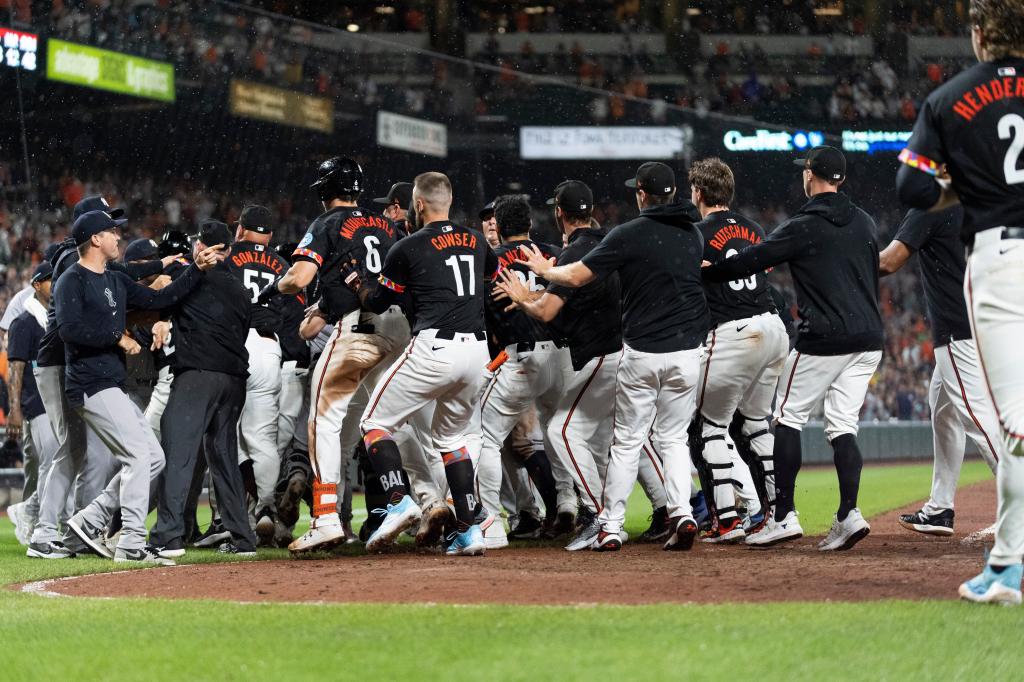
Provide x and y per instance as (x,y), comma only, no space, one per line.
(512,215)
(660,199)
(577,217)
(714,179)
(434,189)
(1002,22)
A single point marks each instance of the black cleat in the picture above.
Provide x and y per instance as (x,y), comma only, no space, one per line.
(930,524)
(659,528)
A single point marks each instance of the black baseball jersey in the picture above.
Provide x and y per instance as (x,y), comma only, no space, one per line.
(515,326)
(591,318)
(935,237)
(725,234)
(975,125)
(442,269)
(258,265)
(336,237)
(658,257)
(293,346)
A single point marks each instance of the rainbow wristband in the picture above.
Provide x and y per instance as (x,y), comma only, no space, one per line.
(918,161)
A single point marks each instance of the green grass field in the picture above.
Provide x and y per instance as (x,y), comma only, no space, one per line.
(43,638)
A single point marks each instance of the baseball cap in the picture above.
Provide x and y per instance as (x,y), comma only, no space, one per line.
(50,251)
(140,249)
(92,223)
(400,193)
(96,203)
(43,272)
(572,195)
(257,219)
(653,178)
(214,232)
(828,163)
(487,211)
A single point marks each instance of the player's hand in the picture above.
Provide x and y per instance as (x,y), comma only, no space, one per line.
(535,260)
(160,282)
(129,345)
(210,256)
(509,283)
(350,275)
(167,260)
(705,264)
(15,420)
(268,292)
(161,334)
(314,311)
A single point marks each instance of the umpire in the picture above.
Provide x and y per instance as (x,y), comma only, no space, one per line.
(210,366)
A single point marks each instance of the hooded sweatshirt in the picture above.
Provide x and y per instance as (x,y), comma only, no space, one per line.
(658,257)
(832,252)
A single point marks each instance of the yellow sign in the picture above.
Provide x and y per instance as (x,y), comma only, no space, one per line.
(266,103)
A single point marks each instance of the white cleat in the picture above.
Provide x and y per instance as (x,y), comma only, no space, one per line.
(397,517)
(776,532)
(846,533)
(319,537)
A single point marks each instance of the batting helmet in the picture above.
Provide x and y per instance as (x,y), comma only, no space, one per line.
(286,250)
(338,176)
(173,243)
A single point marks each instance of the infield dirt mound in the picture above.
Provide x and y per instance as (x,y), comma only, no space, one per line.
(890,563)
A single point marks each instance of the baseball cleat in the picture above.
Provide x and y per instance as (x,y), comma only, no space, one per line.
(724,533)
(528,527)
(288,505)
(396,518)
(990,587)
(606,542)
(563,524)
(231,549)
(48,550)
(753,523)
(586,535)
(683,535)
(659,528)
(90,535)
(174,549)
(319,537)
(930,524)
(432,525)
(846,533)
(213,536)
(142,555)
(495,536)
(15,512)
(775,532)
(265,527)
(467,543)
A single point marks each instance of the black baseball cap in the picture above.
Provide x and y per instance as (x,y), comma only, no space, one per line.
(653,178)
(43,272)
(572,195)
(214,232)
(50,251)
(828,163)
(400,193)
(95,203)
(92,223)
(140,249)
(257,219)
(487,211)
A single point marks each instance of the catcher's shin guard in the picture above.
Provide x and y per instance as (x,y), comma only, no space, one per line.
(755,442)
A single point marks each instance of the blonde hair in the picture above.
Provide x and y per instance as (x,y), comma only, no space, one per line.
(433,189)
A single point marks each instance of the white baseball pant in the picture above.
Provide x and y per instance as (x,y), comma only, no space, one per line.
(158,399)
(842,380)
(650,475)
(42,441)
(960,408)
(289,403)
(257,426)
(654,393)
(739,370)
(994,288)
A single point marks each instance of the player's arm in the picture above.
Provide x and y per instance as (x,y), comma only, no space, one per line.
(298,277)
(573,275)
(145,298)
(922,181)
(786,242)
(140,270)
(390,285)
(313,322)
(893,257)
(15,419)
(544,307)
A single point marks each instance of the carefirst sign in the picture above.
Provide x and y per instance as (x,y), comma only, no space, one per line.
(92,67)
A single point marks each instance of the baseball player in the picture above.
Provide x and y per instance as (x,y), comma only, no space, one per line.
(360,341)
(441,268)
(959,402)
(968,137)
(833,256)
(589,317)
(664,322)
(746,349)
(488,226)
(294,362)
(396,206)
(257,265)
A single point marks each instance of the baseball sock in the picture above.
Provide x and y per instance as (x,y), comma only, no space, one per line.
(387,464)
(538,466)
(458,469)
(373,493)
(787,457)
(848,465)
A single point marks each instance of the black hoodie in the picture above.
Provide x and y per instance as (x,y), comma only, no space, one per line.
(658,258)
(832,252)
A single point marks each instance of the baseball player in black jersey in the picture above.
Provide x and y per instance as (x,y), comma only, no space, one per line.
(361,344)
(532,374)
(396,206)
(257,265)
(441,269)
(966,147)
(744,355)
(833,256)
(958,398)
(664,322)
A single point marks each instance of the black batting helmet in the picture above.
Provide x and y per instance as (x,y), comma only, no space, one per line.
(338,176)
(286,250)
(173,243)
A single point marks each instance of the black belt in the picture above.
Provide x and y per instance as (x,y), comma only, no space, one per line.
(527,346)
(449,335)
(1007,233)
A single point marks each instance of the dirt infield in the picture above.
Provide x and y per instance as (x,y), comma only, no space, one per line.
(890,563)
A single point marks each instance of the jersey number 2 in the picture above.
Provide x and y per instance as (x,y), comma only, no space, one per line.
(1015,124)
(453,263)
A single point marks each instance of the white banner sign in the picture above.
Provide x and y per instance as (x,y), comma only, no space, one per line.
(411,134)
(537,142)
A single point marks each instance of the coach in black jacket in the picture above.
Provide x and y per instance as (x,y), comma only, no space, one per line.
(832,252)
